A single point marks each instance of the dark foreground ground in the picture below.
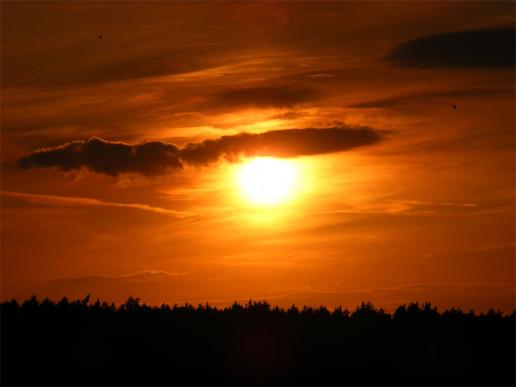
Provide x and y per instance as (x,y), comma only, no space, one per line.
(79,343)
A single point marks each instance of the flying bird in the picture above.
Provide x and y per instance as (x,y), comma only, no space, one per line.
(454,107)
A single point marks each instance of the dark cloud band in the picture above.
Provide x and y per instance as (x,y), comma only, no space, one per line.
(482,48)
(154,158)
(111,158)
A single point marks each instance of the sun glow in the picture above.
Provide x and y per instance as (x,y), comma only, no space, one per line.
(268,181)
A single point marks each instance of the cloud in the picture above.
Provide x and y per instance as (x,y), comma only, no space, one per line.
(150,285)
(156,287)
(264,97)
(110,67)
(280,143)
(153,158)
(428,97)
(473,295)
(110,158)
(74,56)
(409,207)
(141,276)
(289,115)
(480,48)
(480,296)
(56,200)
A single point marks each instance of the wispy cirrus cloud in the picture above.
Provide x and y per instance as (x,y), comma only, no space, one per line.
(151,285)
(89,279)
(443,294)
(56,200)
(266,96)
(425,98)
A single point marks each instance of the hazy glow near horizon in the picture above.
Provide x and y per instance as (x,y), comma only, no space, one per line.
(267,181)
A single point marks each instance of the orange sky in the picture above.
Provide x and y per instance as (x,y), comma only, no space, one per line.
(399,197)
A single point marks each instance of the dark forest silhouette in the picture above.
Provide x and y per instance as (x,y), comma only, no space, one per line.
(84,343)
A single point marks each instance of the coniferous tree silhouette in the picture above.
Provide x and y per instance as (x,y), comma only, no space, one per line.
(78,342)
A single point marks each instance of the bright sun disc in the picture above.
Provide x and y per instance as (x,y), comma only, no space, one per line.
(267,181)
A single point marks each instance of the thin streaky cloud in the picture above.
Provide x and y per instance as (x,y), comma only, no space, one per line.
(145,275)
(57,200)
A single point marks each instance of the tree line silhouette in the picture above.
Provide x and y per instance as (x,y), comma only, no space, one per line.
(96,343)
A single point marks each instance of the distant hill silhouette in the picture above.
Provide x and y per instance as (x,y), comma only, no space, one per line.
(83,343)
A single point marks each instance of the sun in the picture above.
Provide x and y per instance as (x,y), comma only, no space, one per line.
(267,181)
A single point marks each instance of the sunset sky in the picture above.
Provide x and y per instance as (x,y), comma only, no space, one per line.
(125,170)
